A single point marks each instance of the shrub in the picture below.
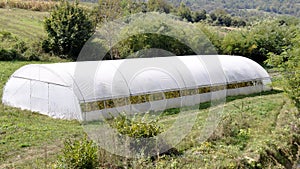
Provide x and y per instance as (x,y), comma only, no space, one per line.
(2,4)
(288,62)
(68,28)
(79,154)
(256,43)
(13,48)
(137,43)
(138,128)
(8,55)
(234,126)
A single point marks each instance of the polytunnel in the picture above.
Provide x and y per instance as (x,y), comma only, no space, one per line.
(88,90)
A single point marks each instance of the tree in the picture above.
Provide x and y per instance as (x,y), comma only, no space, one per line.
(159,6)
(185,12)
(238,22)
(257,42)
(109,10)
(224,20)
(199,15)
(288,63)
(68,27)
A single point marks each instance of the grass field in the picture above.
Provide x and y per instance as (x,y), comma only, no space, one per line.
(26,136)
(25,24)
(259,130)
(251,129)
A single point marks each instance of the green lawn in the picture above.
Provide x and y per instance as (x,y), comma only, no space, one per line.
(254,129)
(26,136)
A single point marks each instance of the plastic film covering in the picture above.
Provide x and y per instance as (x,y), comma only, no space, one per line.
(85,90)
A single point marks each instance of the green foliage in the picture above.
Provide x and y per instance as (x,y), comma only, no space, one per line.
(7,46)
(199,15)
(68,28)
(137,127)
(292,75)
(79,154)
(244,8)
(185,12)
(8,55)
(234,127)
(146,41)
(288,63)
(143,36)
(159,6)
(257,42)
(13,48)
(222,18)
(213,35)
(108,10)
(142,131)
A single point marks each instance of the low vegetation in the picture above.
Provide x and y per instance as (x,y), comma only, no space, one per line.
(255,131)
(26,137)
(21,33)
(288,63)
(259,131)
(78,154)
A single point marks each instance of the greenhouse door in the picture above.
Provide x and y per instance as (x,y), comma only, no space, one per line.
(39,96)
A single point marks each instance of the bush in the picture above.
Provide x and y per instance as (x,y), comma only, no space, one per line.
(288,63)
(8,55)
(13,48)
(152,41)
(68,28)
(256,43)
(79,154)
(136,127)
(140,129)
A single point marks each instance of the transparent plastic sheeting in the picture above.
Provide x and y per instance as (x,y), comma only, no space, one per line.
(59,90)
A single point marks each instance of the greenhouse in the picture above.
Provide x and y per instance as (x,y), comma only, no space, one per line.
(89,90)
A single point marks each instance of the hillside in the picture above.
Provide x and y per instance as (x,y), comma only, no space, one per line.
(239,7)
(25,24)
(255,131)
(21,34)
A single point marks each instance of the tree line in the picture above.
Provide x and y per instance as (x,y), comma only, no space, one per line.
(273,42)
(61,36)
(288,7)
(183,11)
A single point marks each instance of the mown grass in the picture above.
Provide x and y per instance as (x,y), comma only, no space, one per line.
(26,136)
(250,129)
(25,24)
